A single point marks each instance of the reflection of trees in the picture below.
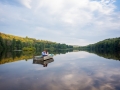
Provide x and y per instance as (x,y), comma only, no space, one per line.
(106,54)
(6,57)
(2,55)
(56,51)
(62,51)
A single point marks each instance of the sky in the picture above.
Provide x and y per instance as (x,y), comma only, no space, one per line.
(73,22)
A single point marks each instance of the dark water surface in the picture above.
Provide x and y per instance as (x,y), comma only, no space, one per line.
(71,71)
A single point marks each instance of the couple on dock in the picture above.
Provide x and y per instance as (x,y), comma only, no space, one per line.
(45,53)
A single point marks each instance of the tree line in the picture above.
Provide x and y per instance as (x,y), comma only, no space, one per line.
(112,44)
(11,42)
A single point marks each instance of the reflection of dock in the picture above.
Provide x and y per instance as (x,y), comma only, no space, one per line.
(41,58)
(43,62)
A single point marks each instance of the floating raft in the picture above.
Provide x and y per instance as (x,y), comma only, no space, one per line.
(43,62)
(42,58)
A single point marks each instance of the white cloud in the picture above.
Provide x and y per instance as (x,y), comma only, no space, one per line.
(68,21)
(26,3)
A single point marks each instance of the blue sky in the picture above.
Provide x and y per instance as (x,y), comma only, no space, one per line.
(74,22)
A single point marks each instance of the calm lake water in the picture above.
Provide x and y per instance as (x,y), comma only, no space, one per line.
(70,71)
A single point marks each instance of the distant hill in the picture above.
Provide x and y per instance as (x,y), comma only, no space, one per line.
(107,44)
(12,42)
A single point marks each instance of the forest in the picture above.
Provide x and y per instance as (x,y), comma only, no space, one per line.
(11,42)
(111,44)
(108,48)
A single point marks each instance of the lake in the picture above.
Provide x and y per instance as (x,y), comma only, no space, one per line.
(77,70)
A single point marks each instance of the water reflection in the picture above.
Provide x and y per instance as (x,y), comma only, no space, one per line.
(70,71)
(44,63)
(7,57)
(106,54)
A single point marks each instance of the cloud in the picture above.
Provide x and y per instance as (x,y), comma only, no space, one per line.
(68,21)
(26,3)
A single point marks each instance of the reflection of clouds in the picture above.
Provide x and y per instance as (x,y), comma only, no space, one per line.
(76,81)
(107,87)
(73,78)
(39,68)
(67,77)
(63,74)
(89,75)
(73,55)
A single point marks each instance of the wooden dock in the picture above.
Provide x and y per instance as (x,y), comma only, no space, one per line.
(42,58)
